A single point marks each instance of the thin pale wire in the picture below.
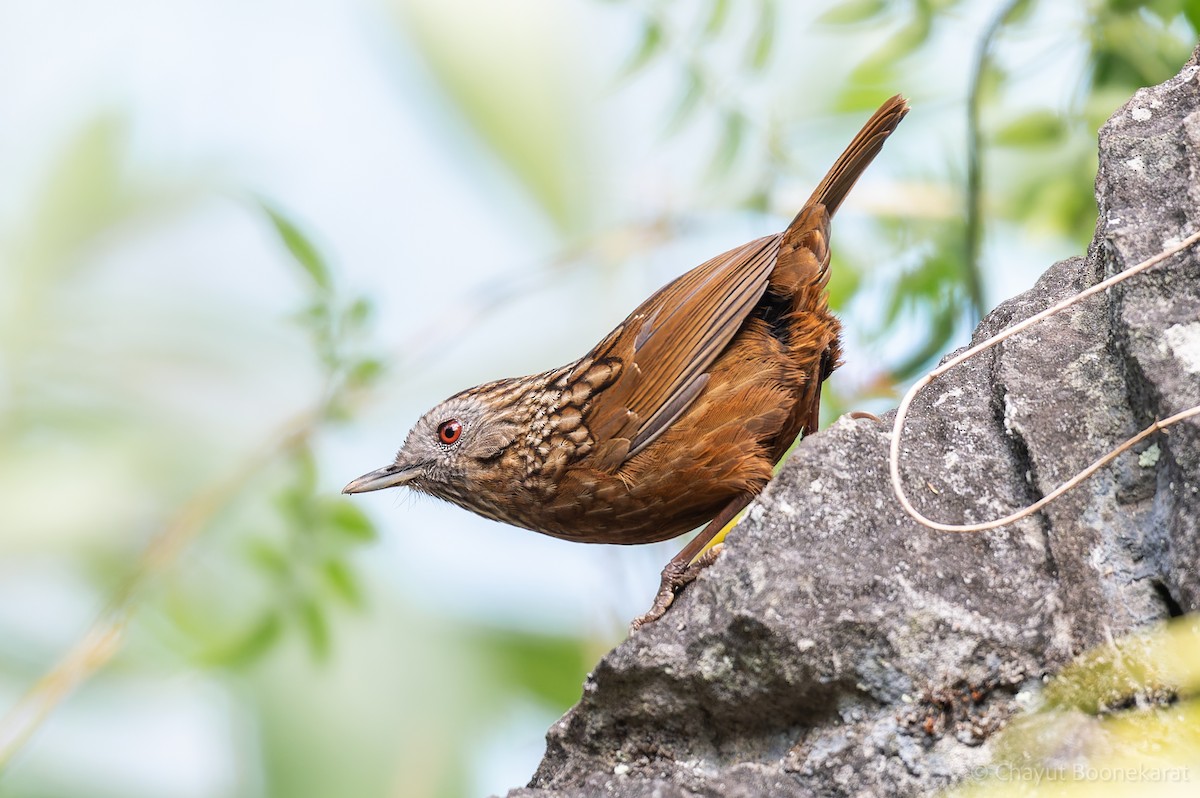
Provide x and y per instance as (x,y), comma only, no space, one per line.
(902,411)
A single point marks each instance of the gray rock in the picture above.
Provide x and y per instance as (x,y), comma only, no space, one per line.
(837,648)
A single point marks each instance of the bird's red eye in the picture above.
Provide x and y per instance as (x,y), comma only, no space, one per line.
(449,431)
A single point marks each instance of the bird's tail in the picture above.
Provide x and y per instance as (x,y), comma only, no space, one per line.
(804,248)
(797,286)
(845,171)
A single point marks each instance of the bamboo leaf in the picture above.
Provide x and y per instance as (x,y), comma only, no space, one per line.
(302,249)
(649,46)
(853,12)
(689,101)
(549,668)
(729,144)
(904,41)
(1191,12)
(717,16)
(316,628)
(1019,12)
(764,38)
(1037,128)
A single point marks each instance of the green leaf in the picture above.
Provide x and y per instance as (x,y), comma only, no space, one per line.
(870,83)
(364,372)
(1019,12)
(87,191)
(689,100)
(941,6)
(341,579)
(1163,10)
(549,668)
(733,130)
(757,201)
(852,12)
(303,251)
(533,125)
(1034,129)
(717,16)
(903,42)
(251,646)
(650,45)
(269,558)
(314,316)
(764,38)
(316,628)
(359,313)
(991,81)
(349,521)
(1191,12)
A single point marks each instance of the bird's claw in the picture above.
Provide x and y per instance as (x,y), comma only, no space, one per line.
(674,577)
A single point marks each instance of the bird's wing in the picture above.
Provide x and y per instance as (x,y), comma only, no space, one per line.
(667,345)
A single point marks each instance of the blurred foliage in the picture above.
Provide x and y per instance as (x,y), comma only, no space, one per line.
(1128,45)
(714,51)
(274,585)
(87,194)
(336,327)
(1122,720)
(303,559)
(304,554)
(500,77)
(272,560)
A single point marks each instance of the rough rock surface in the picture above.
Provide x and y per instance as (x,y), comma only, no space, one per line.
(837,648)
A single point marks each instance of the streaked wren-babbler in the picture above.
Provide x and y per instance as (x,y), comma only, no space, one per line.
(676,419)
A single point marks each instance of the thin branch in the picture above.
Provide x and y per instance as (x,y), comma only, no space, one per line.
(974,231)
(103,640)
(902,411)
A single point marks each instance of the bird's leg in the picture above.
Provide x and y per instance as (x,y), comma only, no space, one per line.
(685,566)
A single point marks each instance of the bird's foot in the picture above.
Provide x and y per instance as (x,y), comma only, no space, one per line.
(858,414)
(674,577)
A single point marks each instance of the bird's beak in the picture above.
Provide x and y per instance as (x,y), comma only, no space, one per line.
(386,477)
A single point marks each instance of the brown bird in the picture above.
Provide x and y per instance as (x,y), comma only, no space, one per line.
(676,418)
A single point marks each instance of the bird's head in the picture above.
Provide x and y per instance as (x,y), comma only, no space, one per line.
(450,446)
